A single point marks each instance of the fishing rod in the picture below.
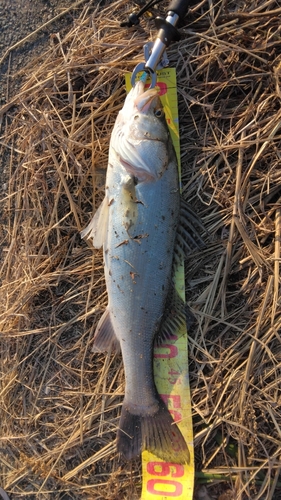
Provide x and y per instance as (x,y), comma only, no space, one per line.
(167,32)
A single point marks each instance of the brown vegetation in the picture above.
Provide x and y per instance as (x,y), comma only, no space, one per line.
(60,402)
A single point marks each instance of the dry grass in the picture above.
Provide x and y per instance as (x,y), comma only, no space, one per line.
(59,402)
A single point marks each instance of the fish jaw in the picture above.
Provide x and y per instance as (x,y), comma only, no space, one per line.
(139,138)
(135,97)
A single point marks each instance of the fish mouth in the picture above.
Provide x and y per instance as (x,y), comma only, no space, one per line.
(144,100)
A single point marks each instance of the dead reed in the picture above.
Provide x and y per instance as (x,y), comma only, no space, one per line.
(60,402)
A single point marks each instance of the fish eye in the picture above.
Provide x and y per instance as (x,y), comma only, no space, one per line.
(136,117)
(159,113)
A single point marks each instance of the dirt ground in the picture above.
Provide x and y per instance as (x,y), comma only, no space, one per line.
(19,19)
(25,30)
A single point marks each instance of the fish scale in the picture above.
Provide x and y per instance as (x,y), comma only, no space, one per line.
(136,302)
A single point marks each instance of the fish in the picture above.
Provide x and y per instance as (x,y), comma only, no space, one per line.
(145,230)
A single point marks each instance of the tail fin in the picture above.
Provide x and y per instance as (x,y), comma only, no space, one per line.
(155,432)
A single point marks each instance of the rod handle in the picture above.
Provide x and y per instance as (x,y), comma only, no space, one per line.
(179,7)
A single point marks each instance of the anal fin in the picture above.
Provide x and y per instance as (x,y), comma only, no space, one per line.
(105,338)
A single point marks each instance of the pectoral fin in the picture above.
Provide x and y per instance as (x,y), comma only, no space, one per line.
(97,229)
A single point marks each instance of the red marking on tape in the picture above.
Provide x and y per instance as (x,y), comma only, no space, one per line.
(153,485)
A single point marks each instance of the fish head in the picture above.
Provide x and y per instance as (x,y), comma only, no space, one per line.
(140,138)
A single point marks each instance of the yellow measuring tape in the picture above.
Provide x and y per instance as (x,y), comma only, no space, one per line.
(164,480)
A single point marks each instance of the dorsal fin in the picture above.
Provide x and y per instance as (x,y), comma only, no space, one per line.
(176,315)
(188,237)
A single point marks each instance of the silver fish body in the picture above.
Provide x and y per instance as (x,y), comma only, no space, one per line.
(137,225)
